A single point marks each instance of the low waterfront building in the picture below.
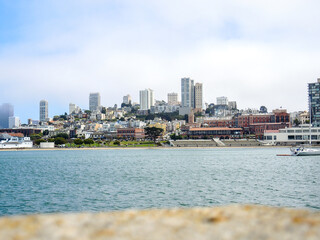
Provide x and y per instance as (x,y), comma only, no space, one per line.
(222,133)
(293,135)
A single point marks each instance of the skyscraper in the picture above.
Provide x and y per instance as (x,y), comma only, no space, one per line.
(146,99)
(6,111)
(314,102)
(126,99)
(198,96)
(94,101)
(14,122)
(191,95)
(43,110)
(187,92)
(172,99)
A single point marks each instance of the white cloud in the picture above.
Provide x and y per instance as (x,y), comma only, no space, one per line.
(258,53)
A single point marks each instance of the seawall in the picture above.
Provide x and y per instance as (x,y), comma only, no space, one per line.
(227,222)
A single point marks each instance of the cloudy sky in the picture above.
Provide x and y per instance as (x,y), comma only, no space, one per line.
(254,52)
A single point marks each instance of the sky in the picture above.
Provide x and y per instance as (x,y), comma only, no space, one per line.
(254,52)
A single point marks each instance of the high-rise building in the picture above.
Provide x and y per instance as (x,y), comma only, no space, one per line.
(314,102)
(43,110)
(14,122)
(187,92)
(172,99)
(198,96)
(222,101)
(146,99)
(126,99)
(232,105)
(73,108)
(94,101)
(6,111)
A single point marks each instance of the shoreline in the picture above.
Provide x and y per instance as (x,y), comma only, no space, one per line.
(122,148)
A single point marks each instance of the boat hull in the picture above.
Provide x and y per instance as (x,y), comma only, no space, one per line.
(315,153)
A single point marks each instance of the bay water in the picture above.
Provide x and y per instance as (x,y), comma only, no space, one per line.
(56,181)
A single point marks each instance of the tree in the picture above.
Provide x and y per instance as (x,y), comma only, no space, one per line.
(153,132)
(63,135)
(296,122)
(35,136)
(45,132)
(78,141)
(64,117)
(175,137)
(88,141)
(38,141)
(60,140)
(150,117)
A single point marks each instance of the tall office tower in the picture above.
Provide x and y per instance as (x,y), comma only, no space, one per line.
(187,92)
(43,110)
(146,99)
(172,99)
(222,101)
(14,122)
(198,96)
(94,101)
(314,102)
(6,111)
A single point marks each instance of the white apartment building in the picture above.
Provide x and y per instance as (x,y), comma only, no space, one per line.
(222,101)
(146,99)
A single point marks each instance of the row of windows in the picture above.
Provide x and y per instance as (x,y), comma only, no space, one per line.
(303,137)
(299,131)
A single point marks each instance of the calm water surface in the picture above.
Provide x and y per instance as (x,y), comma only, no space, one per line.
(105,180)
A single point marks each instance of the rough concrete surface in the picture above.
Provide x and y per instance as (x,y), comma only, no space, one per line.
(228,222)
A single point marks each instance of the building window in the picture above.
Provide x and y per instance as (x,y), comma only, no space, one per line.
(290,137)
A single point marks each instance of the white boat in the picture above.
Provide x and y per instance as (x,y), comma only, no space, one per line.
(305,151)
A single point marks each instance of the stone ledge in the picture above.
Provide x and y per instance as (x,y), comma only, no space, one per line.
(228,222)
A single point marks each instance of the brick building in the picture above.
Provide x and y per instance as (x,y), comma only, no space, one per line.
(130,133)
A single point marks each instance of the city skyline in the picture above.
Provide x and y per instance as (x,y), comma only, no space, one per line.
(257,53)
